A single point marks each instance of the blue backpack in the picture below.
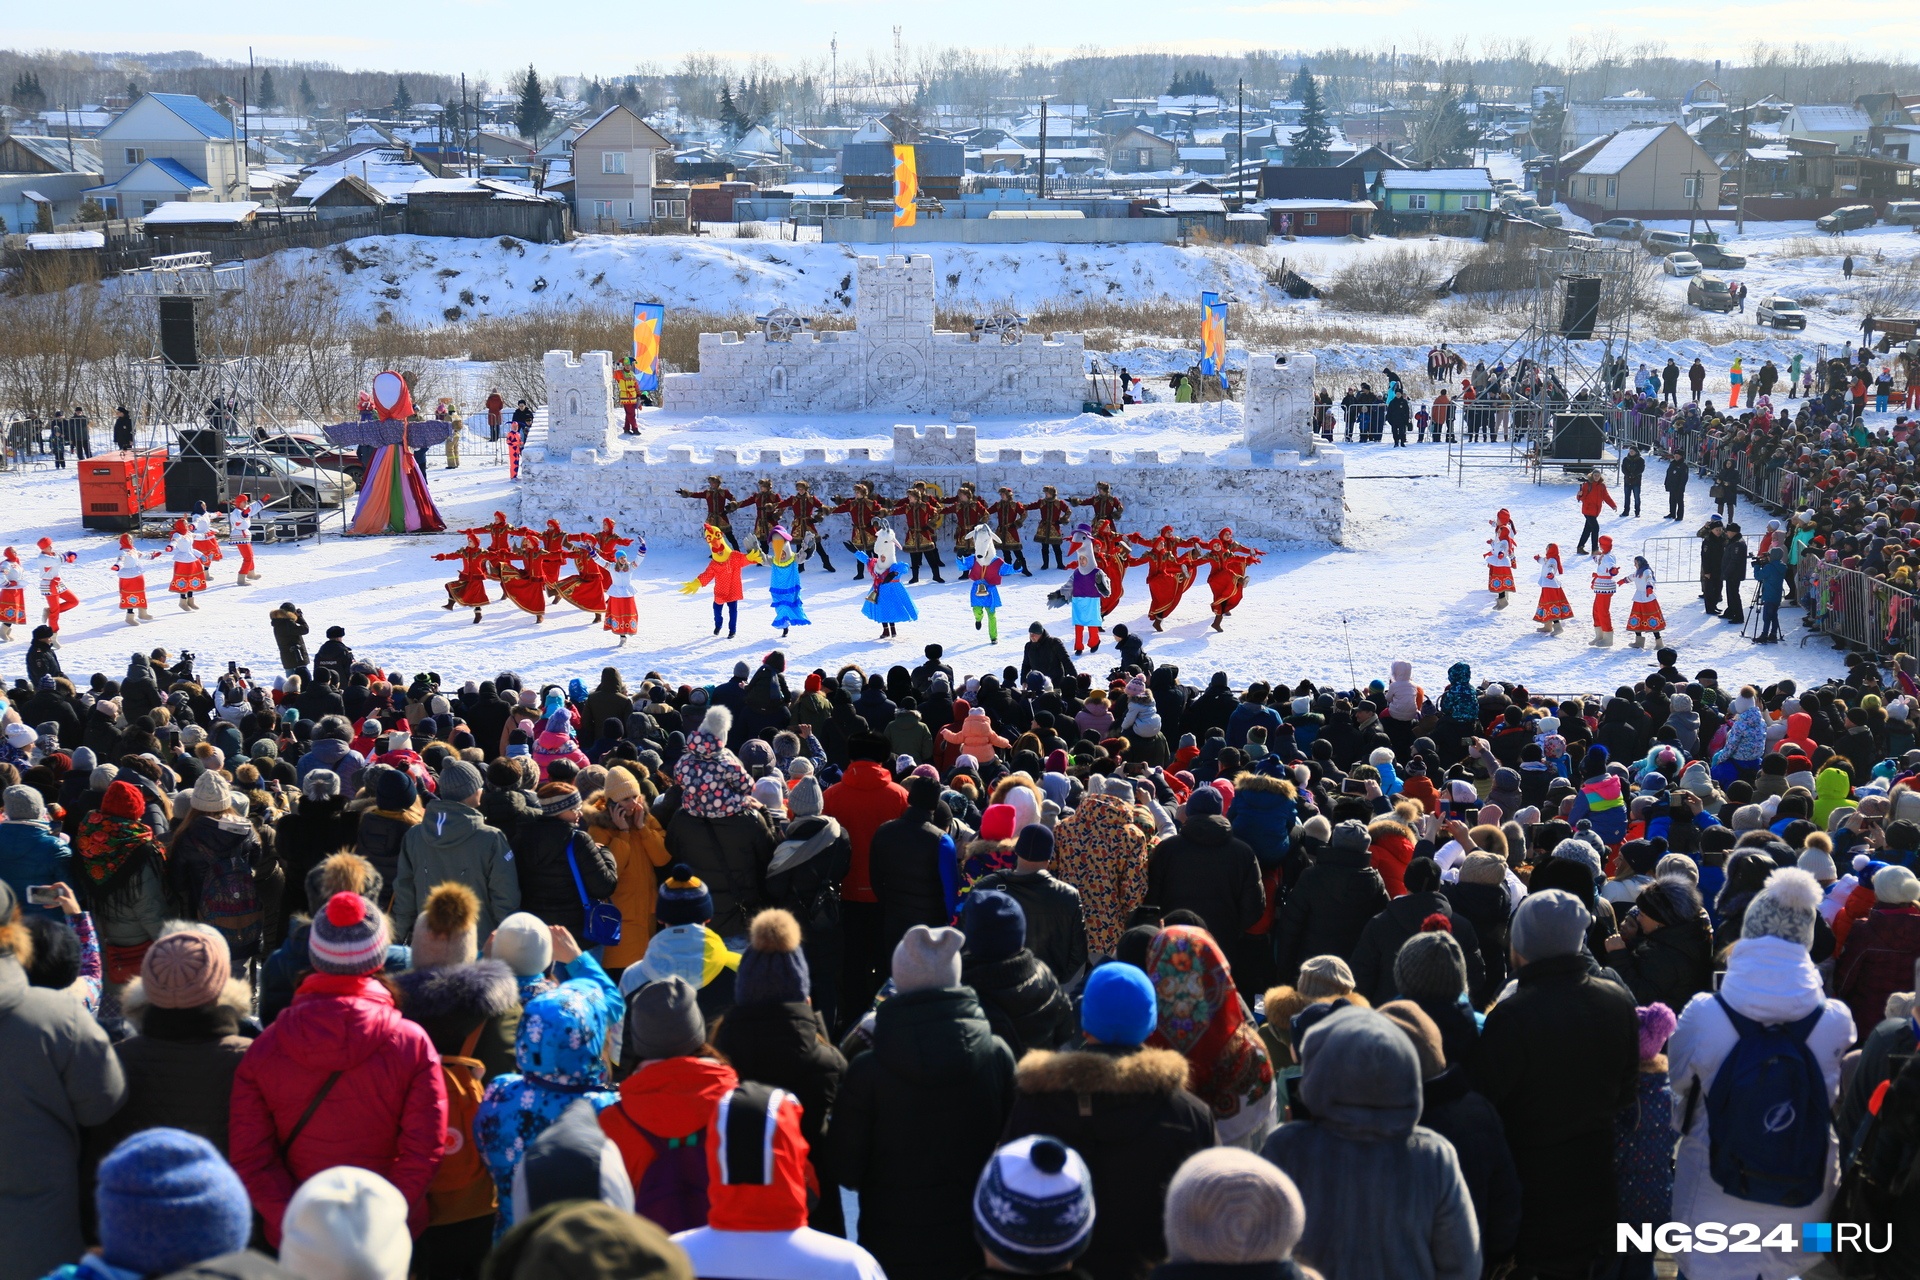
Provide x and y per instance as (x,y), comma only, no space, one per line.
(1768,1115)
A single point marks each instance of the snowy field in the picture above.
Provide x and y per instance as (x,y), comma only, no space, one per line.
(1408,584)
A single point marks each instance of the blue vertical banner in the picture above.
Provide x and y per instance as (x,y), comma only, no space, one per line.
(1213,337)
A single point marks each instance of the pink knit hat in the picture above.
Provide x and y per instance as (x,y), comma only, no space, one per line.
(1656,1025)
(185,970)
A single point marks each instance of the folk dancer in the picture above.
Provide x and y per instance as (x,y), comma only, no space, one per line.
(1169,573)
(723,574)
(923,510)
(1553,609)
(189,570)
(720,507)
(1229,563)
(623,616)
(1009,514)
(13,593)
(51,565)
(521,583)
(246,509)
(1606,581)
(983,568)
(766,506)
(783,581)
(133,580)
(1499,557)
(804,528)
(1053,512)
(865,511)
(469,589)
(887,602)
(1644,616)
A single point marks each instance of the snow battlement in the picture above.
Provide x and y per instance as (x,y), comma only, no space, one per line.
(580,404)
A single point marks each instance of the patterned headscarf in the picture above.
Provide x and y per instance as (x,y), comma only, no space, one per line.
(1202,1017)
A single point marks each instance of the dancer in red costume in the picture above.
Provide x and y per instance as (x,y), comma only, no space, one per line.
(623,616)
(1553,609)
(723,573)
(470,588)
(554,540)
(1169,573)
(133,581)
(206,539)
(59,600)
(1499,557)
(584,588)
(1644,616)
(189,570)
(1606,580)
(606,546)
(500,537)
(1111,553)
(240,520)
(13,593)
(522,584)
(1228,563)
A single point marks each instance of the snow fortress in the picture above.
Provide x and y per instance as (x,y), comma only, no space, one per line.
(1277,486)
(893,360)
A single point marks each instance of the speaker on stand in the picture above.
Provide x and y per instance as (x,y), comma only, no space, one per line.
(1580,311)
(198,472)
(179,333)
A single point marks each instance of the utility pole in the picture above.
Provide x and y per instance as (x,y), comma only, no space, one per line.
(834,45)
(1043,147)
(1740,214)
(1240,145)
(1694,214)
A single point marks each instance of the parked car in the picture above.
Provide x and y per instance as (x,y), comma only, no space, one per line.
(1621,228)
(1903,213)
(1518,202)
(1709,293)
(1850,218)
(1661,243)
(1712,255)
(305,451)
(1682,264)
(1780,313)
(1544,216)
(273,477)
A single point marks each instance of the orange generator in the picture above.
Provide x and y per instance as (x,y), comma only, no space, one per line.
(117,488)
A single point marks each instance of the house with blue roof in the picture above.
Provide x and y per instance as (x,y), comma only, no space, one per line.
(165,147)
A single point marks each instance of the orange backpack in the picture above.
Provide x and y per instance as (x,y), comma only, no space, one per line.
(462,1189)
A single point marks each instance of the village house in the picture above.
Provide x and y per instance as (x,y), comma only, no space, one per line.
(1655,167)
(613,168)
(168,147)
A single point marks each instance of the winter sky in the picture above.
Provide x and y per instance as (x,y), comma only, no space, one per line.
(608,37)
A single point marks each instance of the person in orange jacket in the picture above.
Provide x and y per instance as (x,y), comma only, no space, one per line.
(723,574)
(1593,495)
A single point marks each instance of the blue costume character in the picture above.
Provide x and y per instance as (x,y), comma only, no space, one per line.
(888,602)
(983,569)
(783,582)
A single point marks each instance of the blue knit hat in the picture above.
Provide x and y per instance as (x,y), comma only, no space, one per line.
(167,1200)
(1204,802)
(1119,1006)
(683,899)
(995,925)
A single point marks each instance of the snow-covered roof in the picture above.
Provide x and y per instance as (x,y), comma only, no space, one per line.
(1436,180)
(82,153)
(1304,202)
(235,211)
(66,240)
(1831,119)
(1622,149)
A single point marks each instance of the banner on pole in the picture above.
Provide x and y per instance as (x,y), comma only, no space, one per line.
(1213,337)
(906,185)
(649,318)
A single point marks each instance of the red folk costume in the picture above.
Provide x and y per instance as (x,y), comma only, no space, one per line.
(470,588)
(865,512)
(1606,581)
(969,510)
(1553,608)
(500,537)
(521,584)
(189,570)
(923,512)
(13,590)
(1228,563)
(1644,616)
(1169,573)
(1113,556)
(807,511)
(553,540)
(133,579)
(583,588)
(59,599)
(206,540)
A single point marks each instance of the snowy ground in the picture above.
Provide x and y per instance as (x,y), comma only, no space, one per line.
(1409,584)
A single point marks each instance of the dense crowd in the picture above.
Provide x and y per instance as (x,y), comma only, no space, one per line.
(1049,970)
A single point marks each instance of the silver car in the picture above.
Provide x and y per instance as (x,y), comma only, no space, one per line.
(1621,228)
(1681,264)
(272,477)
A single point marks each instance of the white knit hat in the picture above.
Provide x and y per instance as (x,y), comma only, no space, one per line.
(346,1223)
(1786,907)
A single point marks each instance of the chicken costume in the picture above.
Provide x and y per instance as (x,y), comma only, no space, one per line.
(723,574)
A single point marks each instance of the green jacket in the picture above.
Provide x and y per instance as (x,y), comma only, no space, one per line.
(452,842)
(908,735)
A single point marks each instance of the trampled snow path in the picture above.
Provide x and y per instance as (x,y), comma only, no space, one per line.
(1408,584)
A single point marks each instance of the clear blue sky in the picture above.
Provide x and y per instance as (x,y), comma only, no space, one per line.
(602,37)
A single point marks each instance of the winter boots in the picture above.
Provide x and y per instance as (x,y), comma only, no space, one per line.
(1501,603)
(1639,640)
(476,617)
(1601,639)
(131,620)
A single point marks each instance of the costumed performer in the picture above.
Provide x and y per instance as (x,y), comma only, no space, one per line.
(584,588)
(1499,558)
(1110,550)
(983,569)
(808,511)
(887,603)
(133,580)
(189,570)
(1085,583)
(720,507)
(923,509)
(1009,514)
(51,565)
(1053,512)
(969,509)
(1553,608)
(1169,573)
(723,572)
(522,584)
(607,544)
(246,509)
(1644,615)
(500,537)
(864,510)
(783,581)
(623,616)
(1606,580)
(206,539)
(1228,563)
(470,588)
(13,593)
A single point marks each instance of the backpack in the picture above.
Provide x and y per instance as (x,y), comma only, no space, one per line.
(461,1189)
(229,901)
(1881,1183)
(1768,1114)
(672,1193)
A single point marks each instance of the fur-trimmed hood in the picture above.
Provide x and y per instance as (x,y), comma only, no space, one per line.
(1147,1071)
(237,996)
(482,989)
(1252,782)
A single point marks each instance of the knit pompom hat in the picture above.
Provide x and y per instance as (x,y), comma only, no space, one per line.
(211,794)
(1656,1026)
(185,970)
(349,937)
(1229,1207)
(1786,907)
(683,899)
(1033,1206)
(1431,966)
(167,1200)
(773,969)
(447,931)
(805,799)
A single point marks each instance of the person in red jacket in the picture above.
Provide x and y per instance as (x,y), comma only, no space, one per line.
(1593,495)
(865,799)
(1390,849)
(340,1078)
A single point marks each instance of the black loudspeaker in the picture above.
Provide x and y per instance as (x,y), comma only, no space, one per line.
(193,479)
(202,442)
(1578,437)
(179,337)
(1582,308)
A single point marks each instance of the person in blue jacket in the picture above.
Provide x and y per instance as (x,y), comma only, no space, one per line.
(1772,577)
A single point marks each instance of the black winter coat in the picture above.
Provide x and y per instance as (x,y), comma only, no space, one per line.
(336,657)
(1380,943)
(1671,965)
(547,889)
(786,1046)
(1328,909)
(1129,1115)
(1206,869)
(1557,1059)
(1047,655)
(289,633)
(42,660)
(307,837)
(917,1117)
(1056,920)
(1024,1004)
(731,855)
(1451,1108)
(903,863)
(1486,907)
(504,810)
